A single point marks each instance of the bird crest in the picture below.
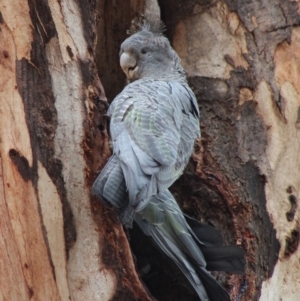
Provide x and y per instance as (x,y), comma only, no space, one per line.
(141,23)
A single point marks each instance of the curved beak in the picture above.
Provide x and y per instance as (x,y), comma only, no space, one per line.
(128,64)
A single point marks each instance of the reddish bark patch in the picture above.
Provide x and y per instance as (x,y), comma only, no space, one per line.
(290,215)
(292,243)
(35,87)
(21,163)
(116,255)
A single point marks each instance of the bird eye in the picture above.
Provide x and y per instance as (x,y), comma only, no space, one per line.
(143,50)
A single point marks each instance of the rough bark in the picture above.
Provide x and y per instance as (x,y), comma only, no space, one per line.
(241,58)
(54,238)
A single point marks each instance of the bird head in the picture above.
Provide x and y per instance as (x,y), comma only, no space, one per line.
(147,53)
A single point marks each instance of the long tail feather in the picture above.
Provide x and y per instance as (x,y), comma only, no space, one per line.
(206,234)
(218,257)
(213,289)
(172,250)
(226,258)
(193,252)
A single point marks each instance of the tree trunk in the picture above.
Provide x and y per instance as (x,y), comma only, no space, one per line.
(57,242)
(242,60)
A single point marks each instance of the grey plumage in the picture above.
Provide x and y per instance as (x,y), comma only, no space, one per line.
(154,123)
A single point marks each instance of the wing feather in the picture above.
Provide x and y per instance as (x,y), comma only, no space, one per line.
(153,128)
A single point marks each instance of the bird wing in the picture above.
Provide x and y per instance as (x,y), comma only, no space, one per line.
(110,184)
(153,113)
(153,128)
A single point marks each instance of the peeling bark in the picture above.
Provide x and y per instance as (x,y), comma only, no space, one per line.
(52,141)
(241,60)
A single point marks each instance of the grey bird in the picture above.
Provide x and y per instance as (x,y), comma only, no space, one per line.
(154,122)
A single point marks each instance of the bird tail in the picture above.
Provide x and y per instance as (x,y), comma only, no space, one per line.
(218,257)
(207,288)
(194,247)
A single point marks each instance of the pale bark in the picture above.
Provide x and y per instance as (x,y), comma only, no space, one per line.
(242,59)
(52,236)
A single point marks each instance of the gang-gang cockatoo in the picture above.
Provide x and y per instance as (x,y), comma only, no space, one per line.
(154,122)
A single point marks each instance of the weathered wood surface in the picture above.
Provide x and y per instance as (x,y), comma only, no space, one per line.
(53,237)
(242,59)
